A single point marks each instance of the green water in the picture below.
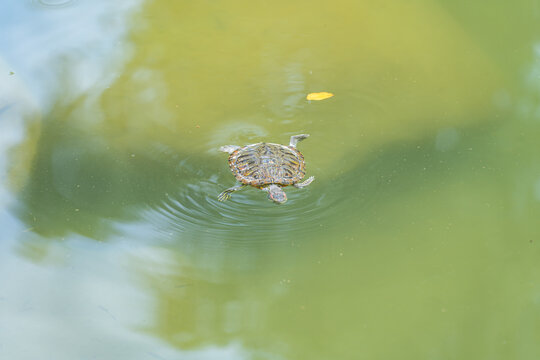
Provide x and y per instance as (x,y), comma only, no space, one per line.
(419,238)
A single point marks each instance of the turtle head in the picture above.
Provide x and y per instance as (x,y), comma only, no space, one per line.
(276,194)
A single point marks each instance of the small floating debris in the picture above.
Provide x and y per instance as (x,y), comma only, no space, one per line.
(319,96)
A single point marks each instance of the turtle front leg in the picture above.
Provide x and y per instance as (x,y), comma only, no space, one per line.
(296,138)
(229,148)
(226,194)
(304,183)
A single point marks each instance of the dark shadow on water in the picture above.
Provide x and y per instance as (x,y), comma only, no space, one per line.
(81,183)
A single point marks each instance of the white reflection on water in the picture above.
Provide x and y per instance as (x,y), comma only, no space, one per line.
(17,107)
(63,317)
(82,39)
(50,51)
(67,304)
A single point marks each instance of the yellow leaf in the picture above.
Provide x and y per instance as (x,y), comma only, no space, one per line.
(319,96)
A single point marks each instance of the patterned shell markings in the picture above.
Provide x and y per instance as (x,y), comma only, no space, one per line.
(266,163)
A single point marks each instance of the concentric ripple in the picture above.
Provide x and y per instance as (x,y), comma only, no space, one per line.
(246,219)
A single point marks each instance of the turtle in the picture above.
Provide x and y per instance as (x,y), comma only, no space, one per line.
(268,167)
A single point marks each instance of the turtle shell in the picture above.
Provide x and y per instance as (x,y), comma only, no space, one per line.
(265,163)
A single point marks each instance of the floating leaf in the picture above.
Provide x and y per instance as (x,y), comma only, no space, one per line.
(319,96)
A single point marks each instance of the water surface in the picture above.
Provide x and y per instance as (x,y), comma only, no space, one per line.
(418,239)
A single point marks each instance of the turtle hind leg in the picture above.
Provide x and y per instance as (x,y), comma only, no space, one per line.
(229,148)
(305,183)
(226,194)
(296,138)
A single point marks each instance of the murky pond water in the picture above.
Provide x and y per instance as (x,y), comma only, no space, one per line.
(419,238)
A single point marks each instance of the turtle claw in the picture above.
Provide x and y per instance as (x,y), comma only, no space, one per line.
(224,196)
